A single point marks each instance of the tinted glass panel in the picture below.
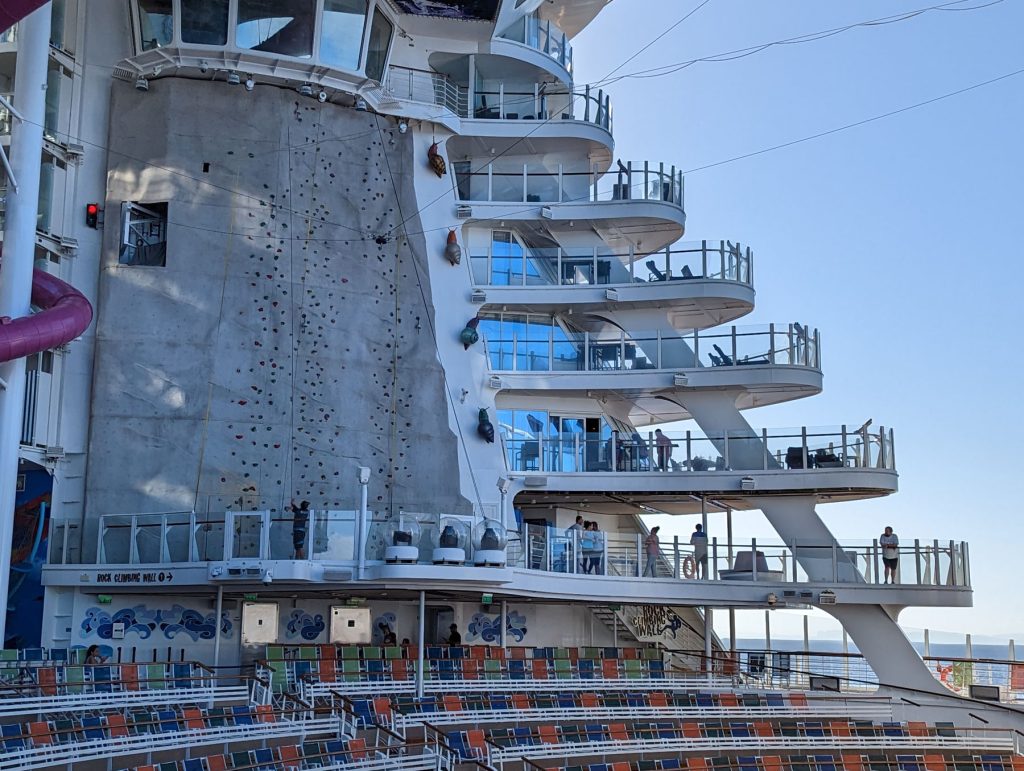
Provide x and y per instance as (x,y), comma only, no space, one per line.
(342,36)
(380,40)
(277,26)
(204,22)
(156,22)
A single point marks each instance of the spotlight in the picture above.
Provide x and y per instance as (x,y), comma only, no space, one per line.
(361,104)
(306,89)
(250,84)
(204,66)
(403,126)
(321,97)
(141,84)
(233,78)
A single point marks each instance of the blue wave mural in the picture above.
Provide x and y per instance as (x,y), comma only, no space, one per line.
(488,629)
(302,624)
(144,623)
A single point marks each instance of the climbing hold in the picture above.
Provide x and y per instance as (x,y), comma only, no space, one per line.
(453,251)
(484,427)
(469,335)
(436,161)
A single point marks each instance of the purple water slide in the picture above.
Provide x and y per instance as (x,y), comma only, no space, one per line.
(13,11)
(65,315)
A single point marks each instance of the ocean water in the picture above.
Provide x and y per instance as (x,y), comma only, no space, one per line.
(938,650)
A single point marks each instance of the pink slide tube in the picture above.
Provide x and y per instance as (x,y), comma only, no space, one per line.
(65,315)
(12,11)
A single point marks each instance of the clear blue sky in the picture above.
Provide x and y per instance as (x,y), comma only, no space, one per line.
(899,240)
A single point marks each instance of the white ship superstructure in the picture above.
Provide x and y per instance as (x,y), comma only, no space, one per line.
(383,256)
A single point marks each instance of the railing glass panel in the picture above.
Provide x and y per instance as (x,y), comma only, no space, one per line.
(542,35)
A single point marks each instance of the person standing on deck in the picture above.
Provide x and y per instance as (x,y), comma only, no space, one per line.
(890,544)
(653,549)
(699,542)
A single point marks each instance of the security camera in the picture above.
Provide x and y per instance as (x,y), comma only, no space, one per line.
(204,66)
(321,97)
(268,578)
(364,475)
(250,84)
(772,600)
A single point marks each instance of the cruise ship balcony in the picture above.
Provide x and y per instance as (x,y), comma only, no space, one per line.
(502,109)
(763,364)
(642,207)
(605,472)
(539,41)
(244,547)
(700,284)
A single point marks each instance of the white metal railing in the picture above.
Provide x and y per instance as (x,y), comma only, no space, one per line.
(5,114)
(618,351)
(500,101)
(718,260)
(541,35)
(805,449)
(939,564)
(516,182)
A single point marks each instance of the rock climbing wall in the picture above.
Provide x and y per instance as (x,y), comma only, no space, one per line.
(287,340)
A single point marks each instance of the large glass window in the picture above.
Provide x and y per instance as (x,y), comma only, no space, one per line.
(204,22)
(506,260)
(380,41)
(342,36)
(156,21)
(277,26)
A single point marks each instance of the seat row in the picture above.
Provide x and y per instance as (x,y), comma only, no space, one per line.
(74,687)
(38,743)
(403,712)
(14,657)
(825,762)
(351,754)
(499,744)
(290,674)
(435,652)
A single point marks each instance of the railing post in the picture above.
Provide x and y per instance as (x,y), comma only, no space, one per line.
(771,343)
(803,443)
(133,547)
(882,454)
(490,181)
(764,444)
(614,460)
(732,334)
(526,182)
(954,566)
(586,351)
(938,572)
(917,559)
(726,443)
(586,104)
(791,343)
(753,558)
(874,554)
(721,261)
(229,533)
(165,552)
(835,563)
(639,555)
(714,560)
(541,453)
(794,547)
(658,352)
(100,550)
(817,349)
(675,554)
(689,453)
(192,555)
(501,99)
(846,453)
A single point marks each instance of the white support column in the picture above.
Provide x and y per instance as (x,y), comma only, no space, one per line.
(216,635)
(420,644)
(709,621)
(19,253)
(504,623)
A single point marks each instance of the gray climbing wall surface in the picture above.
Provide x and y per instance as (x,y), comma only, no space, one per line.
(281,346)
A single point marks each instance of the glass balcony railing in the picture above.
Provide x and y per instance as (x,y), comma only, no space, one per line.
(618,351)
(164,540)
(5,117)
(541,35)
(504,181)
(711,260)
(557,550)
(800,449)
(499,100)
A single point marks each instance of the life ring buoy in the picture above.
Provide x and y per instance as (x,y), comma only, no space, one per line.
(689,566)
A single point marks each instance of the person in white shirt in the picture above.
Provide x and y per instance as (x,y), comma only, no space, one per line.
(573,533)
(890,544)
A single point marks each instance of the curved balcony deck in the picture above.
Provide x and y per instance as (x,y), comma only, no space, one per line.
(641,208)
(202,548)
(531,37)
(700,284)
(832,464)
(764,365)
(555,117)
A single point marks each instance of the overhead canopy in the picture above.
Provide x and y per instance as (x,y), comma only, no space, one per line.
(13,11)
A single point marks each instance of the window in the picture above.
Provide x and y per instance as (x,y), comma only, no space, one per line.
(156,23)
(341,39)
(277,26)
(380,41)
(204,22)
(506,260)
(143,234)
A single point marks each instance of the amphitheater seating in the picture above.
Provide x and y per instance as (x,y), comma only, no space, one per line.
(816,762)
(12,658)
(498,745)
(454,709)
(77,737)
(64,687)
(350,754)
(314,671)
